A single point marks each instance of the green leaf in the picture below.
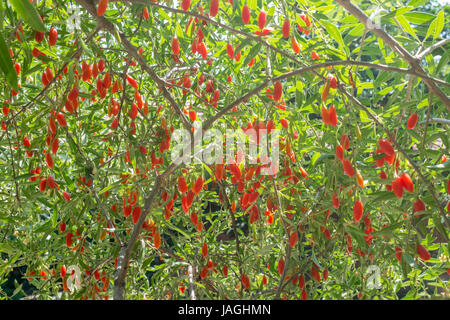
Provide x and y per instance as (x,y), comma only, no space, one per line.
(439,24)
(247,41)
(406,26)
(253,52)
(252,4)
(431,29)
(26,10)
(7,248)
(335,34)
(418,17)
(6,64)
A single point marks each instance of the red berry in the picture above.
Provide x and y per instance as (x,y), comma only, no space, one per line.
(407,182)
(386,147)
(397,187)
(204,250)
(348,167)
(102,6)
(69,240)
(398,254)
(52,36)
(412,121)
(277,91)
(293,239)
(358,209)
(145,14)
(262,19)
(245,14)
(423,252)
(66,196)
(340,152)
(175,46)
(61,119)
(419,205)
(230,51)
(286,28)
(213,8)
(281,265)
(335,201)
(185,4)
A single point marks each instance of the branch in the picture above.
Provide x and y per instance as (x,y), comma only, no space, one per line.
(436,120)
(430,49)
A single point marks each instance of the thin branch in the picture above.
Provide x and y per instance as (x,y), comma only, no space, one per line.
(436,120)
(431,48)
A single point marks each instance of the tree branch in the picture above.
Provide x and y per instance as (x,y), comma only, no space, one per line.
(391,42)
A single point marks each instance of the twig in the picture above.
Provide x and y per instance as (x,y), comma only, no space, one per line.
(431,48)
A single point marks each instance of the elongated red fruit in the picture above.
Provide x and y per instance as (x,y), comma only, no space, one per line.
(182,186)
(61,119)
(286,29)
(397,187)
(335,201)
(448,186)
(69,240)
(145,14)
(52,37)
(340,152)
(295,45)
(218,171)
(132,82)
(101,65)
(101,9)
(204,250)
(262,19)
(348,167)
(26,142)
(358,209)
(42,184)
(245,14)
(185,4)
(198,185)
(293,239)
(175,46)
(49,160)
(213,8)
(419,205)
(345,141)
(284,123)
(230,51)
(136,214)
(325,115)
(423,252)
(277,91)
(66,196)
(157,239)
(281,265)
(407,182)
(398,254)
(412,121)
(333,116)
(245,281)
(386,147)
